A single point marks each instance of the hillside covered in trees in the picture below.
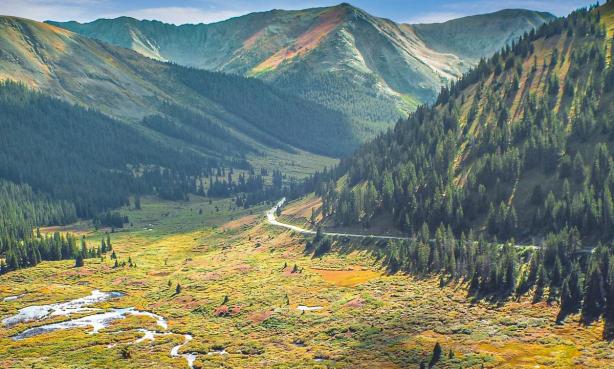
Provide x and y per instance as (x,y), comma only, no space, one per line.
(60,162)
(121,124)
(222,115)
(520,149)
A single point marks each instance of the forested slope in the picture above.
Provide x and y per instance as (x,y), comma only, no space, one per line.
(519,149)
(531,121)
(126,85)
(79,155)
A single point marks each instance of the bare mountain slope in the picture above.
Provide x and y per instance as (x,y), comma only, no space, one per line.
(372,69)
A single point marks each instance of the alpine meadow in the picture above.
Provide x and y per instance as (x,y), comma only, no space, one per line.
(388,185)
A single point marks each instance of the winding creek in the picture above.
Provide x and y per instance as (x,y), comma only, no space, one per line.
(76,306)
(97,321)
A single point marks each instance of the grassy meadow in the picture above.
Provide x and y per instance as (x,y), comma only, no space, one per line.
(242,282)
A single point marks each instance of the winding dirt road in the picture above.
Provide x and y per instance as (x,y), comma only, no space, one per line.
(272,219)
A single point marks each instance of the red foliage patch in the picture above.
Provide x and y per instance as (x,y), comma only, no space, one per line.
(260,316)
(221,311)
(358,302)
(224,310)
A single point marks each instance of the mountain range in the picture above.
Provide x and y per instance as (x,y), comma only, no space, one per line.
(371,69)
(222,109)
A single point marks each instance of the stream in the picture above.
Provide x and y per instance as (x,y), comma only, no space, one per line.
(98,321)
(76,306)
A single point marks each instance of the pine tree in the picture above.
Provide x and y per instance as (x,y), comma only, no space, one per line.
(436,356)
(608,212)
(79,260)
(83,248)
(540,283)
(571,294)
(593,294)
(510,274)
(608,330)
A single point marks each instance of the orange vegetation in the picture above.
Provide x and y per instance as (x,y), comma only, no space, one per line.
(260,316)
(306,42)
(251,41)
(246,220)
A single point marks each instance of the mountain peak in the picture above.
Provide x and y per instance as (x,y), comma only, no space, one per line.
(345,6)
(326,47)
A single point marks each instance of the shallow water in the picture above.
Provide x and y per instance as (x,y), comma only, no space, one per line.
(190,358)
(96,321)
(13,298)
(150,335)
(217,352)
(308,308)
(76,306)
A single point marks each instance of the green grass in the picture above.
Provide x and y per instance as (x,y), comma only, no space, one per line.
(299,165)
(368,319)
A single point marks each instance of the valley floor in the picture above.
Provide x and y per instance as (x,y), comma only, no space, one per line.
(251,298)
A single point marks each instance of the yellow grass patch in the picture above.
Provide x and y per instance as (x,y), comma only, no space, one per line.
(527,355)
(347,278)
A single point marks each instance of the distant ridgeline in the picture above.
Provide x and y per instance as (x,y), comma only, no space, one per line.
(60,162)
(371,69)
(520,148)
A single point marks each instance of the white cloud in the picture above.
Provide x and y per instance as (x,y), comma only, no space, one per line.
(89,10)
(46,9)
(177,15)
(560,7)
(461,9)
(434,17)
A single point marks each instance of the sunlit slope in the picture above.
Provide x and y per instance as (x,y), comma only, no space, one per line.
(372,69)
(127,85)
(503,140)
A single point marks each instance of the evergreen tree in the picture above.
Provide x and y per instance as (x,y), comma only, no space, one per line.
(608,332)
(79,260)
(593,295)
(436,356)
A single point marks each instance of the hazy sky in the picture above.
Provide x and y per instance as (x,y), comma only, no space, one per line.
(207,11)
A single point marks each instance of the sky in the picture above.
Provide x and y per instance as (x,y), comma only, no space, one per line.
(208,11)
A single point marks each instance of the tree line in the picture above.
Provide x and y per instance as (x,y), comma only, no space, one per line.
(520,148)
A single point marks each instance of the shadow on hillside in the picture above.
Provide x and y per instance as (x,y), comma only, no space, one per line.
(391,332)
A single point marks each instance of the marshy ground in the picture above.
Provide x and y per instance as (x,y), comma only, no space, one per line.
(242,282)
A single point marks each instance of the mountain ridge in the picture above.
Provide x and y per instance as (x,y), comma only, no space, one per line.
(128,86)
(370,68)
